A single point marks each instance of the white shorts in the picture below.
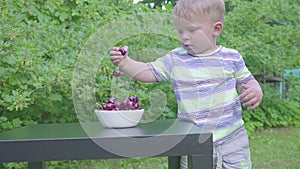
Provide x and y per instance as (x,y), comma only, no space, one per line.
(233,154)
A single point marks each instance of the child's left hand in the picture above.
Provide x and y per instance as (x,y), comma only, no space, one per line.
(251,95)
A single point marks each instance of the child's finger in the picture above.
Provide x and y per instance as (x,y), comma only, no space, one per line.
(245,95)
(250,102)
(115,49)
(245,86)
(126,48)
(115,53)
(253,106)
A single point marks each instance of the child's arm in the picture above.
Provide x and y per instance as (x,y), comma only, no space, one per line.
(137,70)
(251,95)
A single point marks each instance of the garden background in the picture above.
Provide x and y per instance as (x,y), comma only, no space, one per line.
(40,41)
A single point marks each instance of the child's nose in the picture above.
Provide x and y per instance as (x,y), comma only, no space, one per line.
(185,37)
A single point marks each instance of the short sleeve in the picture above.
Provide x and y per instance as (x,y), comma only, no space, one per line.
(162,67)
(242,73)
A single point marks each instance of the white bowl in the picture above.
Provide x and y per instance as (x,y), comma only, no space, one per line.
(119,118)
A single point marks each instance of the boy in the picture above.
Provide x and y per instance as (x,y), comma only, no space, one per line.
(205,78)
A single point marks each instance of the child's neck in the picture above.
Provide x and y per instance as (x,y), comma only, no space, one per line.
(210,51)
(213,48)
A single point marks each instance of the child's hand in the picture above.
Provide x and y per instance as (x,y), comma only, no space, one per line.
(116,55)
(252,95)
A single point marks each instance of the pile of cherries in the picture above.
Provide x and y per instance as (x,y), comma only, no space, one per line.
(131,103)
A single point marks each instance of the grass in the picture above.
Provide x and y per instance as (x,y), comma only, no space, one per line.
(133,163)
(274,148)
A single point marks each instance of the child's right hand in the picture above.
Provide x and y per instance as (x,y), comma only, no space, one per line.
(116,56)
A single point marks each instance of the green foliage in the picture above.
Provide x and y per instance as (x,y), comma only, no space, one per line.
(40,42)
(159,3)
(275,111)
(265,32)
(5,124)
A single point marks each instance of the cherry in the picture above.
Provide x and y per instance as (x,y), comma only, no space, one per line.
(111,100)
(135,99)
(137,106)
(110,106)
(123,51)
(118,105)
(131,105)
(117,73)
(103,107)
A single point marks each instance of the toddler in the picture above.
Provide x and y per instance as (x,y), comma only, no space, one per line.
(206,78)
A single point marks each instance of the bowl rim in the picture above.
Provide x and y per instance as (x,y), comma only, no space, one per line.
(104,117)
(117,111)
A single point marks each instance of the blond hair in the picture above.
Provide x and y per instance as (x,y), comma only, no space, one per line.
(214,9)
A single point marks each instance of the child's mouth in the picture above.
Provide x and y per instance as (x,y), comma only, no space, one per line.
(187,46)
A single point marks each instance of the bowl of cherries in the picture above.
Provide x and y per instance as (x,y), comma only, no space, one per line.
(120,113)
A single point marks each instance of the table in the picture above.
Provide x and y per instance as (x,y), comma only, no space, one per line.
(38,143)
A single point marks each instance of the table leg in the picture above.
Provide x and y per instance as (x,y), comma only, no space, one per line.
(174,162)
(200,162)
(37,165)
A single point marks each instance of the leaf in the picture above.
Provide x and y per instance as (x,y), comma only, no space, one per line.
(3,119)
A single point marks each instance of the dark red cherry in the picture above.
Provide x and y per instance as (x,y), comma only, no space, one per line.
(135,99)
(111,100)
(131,105)
(123,51)
(103,107)
(137,106)
(110,106)
(119,104)
(117,73)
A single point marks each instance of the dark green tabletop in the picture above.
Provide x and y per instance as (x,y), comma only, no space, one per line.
(75,141)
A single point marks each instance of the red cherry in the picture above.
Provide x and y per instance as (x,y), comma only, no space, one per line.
(111,100)
(117,73)
(124,102)
(103,107)
(119,105)
(123,51)
(135,99)
(131,105)
(110,106)
(137,106)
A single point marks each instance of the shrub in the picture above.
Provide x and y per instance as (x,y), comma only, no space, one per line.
(40,42)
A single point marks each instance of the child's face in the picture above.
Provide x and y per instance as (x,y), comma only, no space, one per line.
(196,35)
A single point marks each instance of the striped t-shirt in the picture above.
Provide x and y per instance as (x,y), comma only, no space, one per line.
(205,87)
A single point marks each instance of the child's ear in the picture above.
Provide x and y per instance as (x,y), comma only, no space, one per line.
(218,28)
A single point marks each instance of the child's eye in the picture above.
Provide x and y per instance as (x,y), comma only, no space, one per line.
(192,29)
(180,31)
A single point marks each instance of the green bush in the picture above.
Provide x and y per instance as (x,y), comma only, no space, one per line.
(40,42)
(267,35)
(275,111)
